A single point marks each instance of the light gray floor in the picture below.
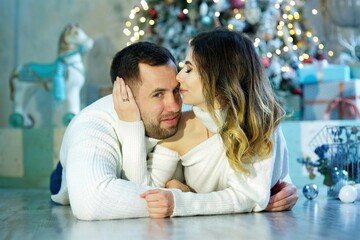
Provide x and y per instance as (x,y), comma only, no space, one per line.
(28,214)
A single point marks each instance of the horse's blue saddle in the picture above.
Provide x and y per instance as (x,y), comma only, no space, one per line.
(37,72)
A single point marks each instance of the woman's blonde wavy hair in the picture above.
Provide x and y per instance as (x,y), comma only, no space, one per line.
(232,73)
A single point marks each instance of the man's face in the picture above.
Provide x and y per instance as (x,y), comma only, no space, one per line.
(159,101)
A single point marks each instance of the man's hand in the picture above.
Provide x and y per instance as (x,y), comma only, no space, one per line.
(174,183)
(283,197)
(124,102)
(160,203)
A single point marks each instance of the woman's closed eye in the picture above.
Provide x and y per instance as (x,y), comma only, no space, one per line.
(187,69)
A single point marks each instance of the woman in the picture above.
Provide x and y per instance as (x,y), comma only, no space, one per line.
(230,145)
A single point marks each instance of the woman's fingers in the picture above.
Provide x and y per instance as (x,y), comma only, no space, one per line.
(124,102)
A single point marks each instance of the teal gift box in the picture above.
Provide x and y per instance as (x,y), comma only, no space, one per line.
(331,100)
(311,73)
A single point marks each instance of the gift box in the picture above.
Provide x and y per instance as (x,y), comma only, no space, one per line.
(331,100)
(311,73)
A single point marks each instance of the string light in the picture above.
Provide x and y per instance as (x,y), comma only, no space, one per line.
(288,29)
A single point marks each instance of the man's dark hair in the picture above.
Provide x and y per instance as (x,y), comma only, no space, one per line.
(125,63)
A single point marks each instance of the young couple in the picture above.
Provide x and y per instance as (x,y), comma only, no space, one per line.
(230,148)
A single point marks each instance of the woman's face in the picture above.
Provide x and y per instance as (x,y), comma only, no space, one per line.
(190,83)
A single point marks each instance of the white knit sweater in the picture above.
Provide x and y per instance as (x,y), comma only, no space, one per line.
(95,175)
(219,189)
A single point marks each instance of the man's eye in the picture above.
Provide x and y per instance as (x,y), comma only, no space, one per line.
(157,95)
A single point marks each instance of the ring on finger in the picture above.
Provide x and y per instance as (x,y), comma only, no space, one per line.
(126,100)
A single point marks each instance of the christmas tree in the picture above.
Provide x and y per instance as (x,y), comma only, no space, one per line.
(280,33)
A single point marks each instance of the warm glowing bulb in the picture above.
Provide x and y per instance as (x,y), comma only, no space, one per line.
(151,22)
(296,15)
(127,32)
(142,19)
(144,5)
(330,53)
(314,11)
(284,69)
(321,46)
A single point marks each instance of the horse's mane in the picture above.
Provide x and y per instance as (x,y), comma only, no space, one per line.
(63,46)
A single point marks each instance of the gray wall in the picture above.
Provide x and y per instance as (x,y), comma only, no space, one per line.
(29,32)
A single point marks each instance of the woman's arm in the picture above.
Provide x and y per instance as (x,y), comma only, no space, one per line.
(284,194)
(244,193)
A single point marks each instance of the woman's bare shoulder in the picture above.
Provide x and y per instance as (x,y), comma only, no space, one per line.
(190,133)
(185,122)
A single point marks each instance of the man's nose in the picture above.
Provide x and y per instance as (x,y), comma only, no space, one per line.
(173,103)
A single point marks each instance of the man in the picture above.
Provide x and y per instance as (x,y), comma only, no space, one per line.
(96,154)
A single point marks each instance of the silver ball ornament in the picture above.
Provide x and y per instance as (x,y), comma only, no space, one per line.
(310,191)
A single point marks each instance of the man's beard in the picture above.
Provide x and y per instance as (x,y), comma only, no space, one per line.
(154,130)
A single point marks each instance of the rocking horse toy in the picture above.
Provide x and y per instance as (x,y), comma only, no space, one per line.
(65,77)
